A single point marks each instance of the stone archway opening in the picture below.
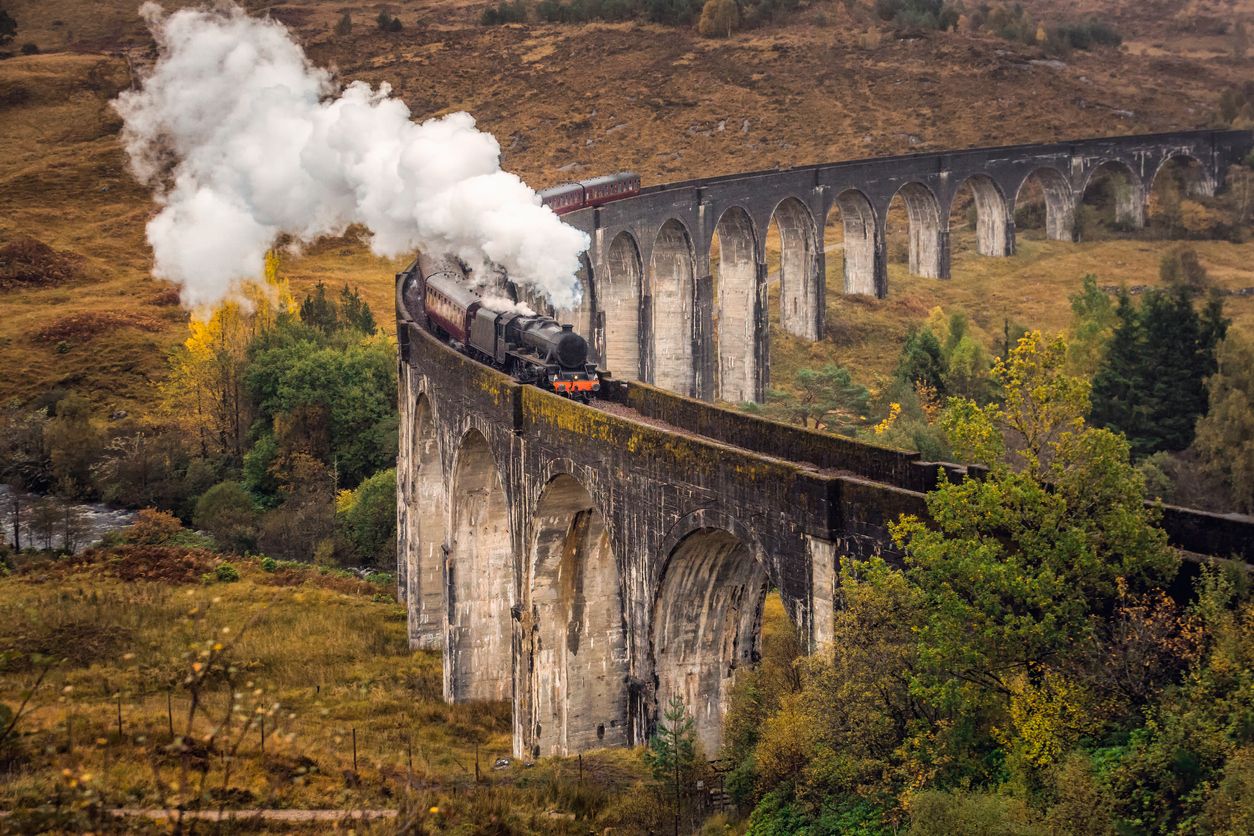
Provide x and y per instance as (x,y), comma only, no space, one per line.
(793,237)
(1177,185)
(849,243)
(576,636)
(620,300)
(1113,201)
(706,626)
(734,272)
(1045,204)
(480,572)
(913,231)
(421,525)
(671,290)
(979,219)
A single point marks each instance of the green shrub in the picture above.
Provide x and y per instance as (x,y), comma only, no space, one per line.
(226,573)
(227,512)
(921,14)
(514,12)
(268,564)
(365,521)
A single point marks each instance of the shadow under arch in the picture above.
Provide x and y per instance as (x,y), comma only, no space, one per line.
(1129,191)
(1196,179)
(1059,201)
(736,295)
(670,284)
(480,573)
(620,302)
(706,624)
(576,639)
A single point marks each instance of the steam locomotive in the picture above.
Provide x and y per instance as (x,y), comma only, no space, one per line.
(595,192)
(532,349)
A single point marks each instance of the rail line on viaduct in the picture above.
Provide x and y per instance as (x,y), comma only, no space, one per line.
(588,562)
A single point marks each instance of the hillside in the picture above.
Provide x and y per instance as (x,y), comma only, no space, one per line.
(575,100)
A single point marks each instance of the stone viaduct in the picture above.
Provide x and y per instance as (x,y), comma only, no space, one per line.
(588,562)
(692,317)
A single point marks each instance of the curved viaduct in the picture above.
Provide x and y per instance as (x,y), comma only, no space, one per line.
(659,307)
(588,562)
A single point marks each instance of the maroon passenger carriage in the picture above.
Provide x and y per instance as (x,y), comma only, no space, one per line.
(599,190)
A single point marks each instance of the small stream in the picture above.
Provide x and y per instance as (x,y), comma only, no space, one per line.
(45,520)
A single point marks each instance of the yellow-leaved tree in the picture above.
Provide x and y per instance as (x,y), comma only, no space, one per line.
(205,389)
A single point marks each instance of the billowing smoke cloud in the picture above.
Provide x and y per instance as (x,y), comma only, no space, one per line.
(244,140)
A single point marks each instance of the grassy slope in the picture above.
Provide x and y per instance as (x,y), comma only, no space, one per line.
(570,101)
(1030,288)
(330,652)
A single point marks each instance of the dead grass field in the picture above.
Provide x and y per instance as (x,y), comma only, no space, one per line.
(321,655)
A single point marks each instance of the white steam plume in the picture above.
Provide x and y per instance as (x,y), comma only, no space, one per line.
(262,145)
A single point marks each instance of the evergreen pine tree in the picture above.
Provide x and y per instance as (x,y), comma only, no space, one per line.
(355,313)
(1118,379)
(317,311)
(1151,386)
(672,754)
(922,361)
(1172,394)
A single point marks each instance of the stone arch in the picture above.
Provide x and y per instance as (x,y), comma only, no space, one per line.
(706,621)
(1059,202)
(993,236)
(1197,178)
(799,280)
(1129,191)
(422,536)
(927,244)
(576,637)
(736,307)
(859,226)
(671,291)
(620,304)
(480,571)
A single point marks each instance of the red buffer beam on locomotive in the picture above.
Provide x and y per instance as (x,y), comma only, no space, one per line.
(531,348)
(599,190)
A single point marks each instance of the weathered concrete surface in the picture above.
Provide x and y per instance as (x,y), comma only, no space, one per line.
(689,334)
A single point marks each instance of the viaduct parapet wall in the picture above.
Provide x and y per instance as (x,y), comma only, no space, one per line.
(656,308)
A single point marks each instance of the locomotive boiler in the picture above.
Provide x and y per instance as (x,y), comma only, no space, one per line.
(530,348)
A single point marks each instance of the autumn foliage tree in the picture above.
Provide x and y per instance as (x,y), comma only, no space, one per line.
(1028,619)
(205,389)
(1225,435)
(719,18)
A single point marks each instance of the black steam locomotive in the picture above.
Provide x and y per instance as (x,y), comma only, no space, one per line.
(532,349)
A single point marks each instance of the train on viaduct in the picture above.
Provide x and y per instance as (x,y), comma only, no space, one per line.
(587,562)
